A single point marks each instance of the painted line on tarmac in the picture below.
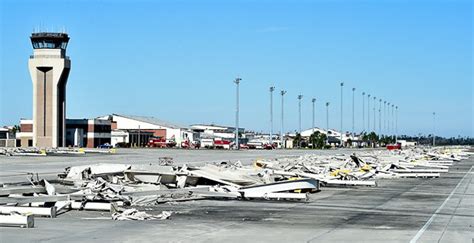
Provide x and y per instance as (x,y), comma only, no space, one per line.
(428,223)
(461,172)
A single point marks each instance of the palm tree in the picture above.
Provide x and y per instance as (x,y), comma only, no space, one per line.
(373,137)
(297,140)
(317,140)
(16,129)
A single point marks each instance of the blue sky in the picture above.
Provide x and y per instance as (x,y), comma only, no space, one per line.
(176,60)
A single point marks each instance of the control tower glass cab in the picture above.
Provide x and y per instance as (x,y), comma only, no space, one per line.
(49,40)
(49,69)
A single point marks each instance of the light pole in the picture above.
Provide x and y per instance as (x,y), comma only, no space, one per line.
(237,82)
(380,116)
(283,92)
(313,101)
(353,111)
(271,115)
(388,119)
(363,111)
(396,124)
(327,122)
(385,117)
(375,104)
(342,85)
(393,122)
(368,112)
(299,112)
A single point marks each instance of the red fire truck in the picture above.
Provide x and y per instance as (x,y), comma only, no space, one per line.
(222,144)
(394,146)
(161,143)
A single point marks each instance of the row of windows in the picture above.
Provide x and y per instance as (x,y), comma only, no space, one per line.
(102,128)
(49,44)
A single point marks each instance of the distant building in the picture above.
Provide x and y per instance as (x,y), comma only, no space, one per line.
(130,137)
(88,133)
(4,133)
(7,137)
(136,130)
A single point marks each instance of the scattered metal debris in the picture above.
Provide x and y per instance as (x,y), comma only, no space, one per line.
(134,214)
(117,187)
(51,151)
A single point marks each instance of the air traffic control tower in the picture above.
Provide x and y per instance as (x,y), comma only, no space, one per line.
(49,69)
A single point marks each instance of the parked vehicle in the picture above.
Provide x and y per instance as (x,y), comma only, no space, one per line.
(222,144)
(255,144)
(394,146)
(122,145)
(244,146)
(269,146)
(207,143)
(161,143)
(105,146)
(188,144)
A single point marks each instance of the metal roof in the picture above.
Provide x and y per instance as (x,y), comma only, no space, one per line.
(216,127)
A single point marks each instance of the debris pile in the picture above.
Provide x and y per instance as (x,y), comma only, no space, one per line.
(134,214)
(52,151)
(120,188)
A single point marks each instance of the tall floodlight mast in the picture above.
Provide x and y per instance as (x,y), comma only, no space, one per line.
(299,112)
(271,115)
(375,104)
(237,82)
(282,93)
(388,119)
(342,85)
(396,124)
(380,116)
(385,117)
(353,111)
(368,112)
(363,111)
(393,121)
(313,101)
(327,122)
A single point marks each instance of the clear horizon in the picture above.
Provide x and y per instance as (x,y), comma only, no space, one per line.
(177,60)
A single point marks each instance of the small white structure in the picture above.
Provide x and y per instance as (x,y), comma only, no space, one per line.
(405,143)
(119,136)
(25,135)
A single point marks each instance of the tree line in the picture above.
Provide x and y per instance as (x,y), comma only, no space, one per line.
(319,140)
